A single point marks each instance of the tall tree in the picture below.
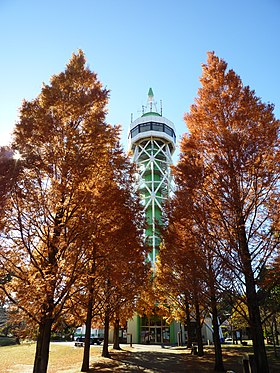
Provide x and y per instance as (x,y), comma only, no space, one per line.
(233,141)
(188,248)
(126,268)
(177,277)
(61,137)
(116,255)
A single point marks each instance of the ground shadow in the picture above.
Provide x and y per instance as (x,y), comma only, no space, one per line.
(162,362)
(179,360)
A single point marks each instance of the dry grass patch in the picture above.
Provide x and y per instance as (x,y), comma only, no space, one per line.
(63,358)
(14,355)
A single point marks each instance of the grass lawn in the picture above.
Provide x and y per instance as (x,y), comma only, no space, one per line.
(65,358)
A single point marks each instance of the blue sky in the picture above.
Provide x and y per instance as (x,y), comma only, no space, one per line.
(133,45)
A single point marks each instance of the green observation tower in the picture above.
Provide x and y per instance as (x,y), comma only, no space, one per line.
(152,142)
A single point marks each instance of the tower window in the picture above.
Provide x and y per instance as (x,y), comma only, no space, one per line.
(134,131)
(157,127)
(145,127)
(169,131)
(152,126)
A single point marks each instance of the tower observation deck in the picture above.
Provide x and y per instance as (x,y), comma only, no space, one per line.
(152,142)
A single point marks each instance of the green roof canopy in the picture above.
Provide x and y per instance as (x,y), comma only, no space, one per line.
(151,113)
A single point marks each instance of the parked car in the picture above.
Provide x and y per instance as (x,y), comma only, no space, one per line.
(229,340)
(93,340)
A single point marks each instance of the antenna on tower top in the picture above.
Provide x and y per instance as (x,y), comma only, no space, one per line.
(151,101)
(151,98)
(161,107)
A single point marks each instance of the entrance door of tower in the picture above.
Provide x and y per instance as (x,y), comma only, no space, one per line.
(154,329)
(155,335)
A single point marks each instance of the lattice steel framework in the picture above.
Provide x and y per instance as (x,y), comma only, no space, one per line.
(152,142)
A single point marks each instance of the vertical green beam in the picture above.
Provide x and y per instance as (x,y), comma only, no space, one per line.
(172,333)
(138,328)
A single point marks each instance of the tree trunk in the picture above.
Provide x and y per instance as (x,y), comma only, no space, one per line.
(198,330)
(188,325)
(85,365)
(219,366)
(116,345)
(240,336)
(44,337)
(252,301)
(43,347)
(105,350)
(276,331)
(273,334)
(234,338)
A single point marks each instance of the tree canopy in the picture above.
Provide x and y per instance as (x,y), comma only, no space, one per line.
(228,182)
(69,157)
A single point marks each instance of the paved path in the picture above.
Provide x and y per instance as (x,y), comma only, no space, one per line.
(155,359)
